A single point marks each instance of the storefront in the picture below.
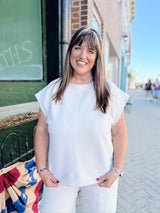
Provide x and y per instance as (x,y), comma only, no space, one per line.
(34,37)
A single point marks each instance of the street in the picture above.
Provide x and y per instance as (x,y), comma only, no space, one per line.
(139,188)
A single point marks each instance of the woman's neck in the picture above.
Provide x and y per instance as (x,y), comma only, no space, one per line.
(81,80)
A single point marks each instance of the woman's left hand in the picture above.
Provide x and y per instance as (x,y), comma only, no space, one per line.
(108,179)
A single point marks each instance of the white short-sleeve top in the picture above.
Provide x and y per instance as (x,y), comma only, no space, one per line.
(80,146)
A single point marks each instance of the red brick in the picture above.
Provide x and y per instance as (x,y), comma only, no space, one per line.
(75,3)
(84,12)
(84,2)
(75,15)
(75,20)
(73,31)
(84,7)
(75,26)
(75,9)
(84,23)
(83,18)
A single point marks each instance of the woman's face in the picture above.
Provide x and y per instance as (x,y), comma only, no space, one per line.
(82,59)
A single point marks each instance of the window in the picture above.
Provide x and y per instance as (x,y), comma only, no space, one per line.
(97,21)
(21,40)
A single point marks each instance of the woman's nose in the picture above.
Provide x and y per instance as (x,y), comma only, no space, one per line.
(83,54)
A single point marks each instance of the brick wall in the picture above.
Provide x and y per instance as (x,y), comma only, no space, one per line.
(84,12)
(79,14)
(76,11)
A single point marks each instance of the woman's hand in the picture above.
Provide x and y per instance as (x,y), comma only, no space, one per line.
(108,179)
(48,179)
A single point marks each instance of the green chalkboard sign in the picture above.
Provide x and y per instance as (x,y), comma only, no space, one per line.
(20,40)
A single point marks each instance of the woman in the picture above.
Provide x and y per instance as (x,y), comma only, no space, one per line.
(148,88)
(81,136)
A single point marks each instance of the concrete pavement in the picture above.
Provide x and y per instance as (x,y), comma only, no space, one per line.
(139,188)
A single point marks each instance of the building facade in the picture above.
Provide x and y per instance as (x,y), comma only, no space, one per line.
(128,14)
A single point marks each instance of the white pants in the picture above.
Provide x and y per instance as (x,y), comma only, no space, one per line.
(94,199)
(156,94)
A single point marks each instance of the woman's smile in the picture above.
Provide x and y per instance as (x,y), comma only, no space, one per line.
(81,62)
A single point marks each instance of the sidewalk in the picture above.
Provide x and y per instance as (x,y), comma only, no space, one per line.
(139,188)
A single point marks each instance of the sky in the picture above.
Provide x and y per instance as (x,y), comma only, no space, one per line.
(145,40)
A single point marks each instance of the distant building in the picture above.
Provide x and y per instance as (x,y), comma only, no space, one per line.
(128,14)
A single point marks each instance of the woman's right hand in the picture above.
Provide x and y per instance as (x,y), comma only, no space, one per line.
(48,178)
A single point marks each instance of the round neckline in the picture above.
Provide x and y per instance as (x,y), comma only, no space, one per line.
(81,85)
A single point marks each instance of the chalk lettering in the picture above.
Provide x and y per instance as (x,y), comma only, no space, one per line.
(14,55)
(23,46)
(3,55)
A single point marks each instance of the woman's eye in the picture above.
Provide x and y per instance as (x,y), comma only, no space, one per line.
(91,51)
(77,48)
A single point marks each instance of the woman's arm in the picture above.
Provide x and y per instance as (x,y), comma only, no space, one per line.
(120,140)
(41,141)
(41,145)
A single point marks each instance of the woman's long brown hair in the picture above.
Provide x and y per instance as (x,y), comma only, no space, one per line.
(98,72)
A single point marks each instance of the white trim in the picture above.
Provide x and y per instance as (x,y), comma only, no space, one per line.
(97,17)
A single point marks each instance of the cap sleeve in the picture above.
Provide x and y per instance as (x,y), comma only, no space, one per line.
(118,101)
(44,97)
